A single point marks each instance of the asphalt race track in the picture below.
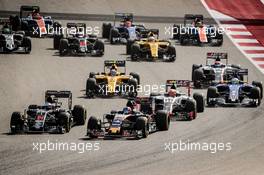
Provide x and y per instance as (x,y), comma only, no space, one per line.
(24,79)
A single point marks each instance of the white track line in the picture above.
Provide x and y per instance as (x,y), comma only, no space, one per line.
(219,16)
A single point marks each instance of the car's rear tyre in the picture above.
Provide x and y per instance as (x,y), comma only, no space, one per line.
(176,32)
(194,67)
(16,122)
(135,52)
(212,92)
(199,102)
(128,46)
(142,125)
(90,87)
(106,30)
(260,86)
(162,120)
(56,41)
(172,53)
(197,77)
(27,45)
(93,125)
(79,113)
(255,94)
(64,121)
(99,47)
(63,47)
(114,33)
(132,87)
(136,76)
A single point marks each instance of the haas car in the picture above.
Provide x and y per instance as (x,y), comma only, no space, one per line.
(133,121)
(112,81)
(78,42)
(32,23)
(180,105)
(214,73)
(151,48)
(194,32)
(51,117)
(235,93)
(125,31)
(11,41)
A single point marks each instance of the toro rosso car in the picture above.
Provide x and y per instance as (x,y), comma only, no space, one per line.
(194,32)
(77,42)
(125,31)
(32,23)
(180,105)
(11,41)
(235,93)
(214,73)
(112,81)
(51,117)
(130,122)
(152,48)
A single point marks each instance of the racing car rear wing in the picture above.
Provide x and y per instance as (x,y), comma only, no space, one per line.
(76,25)
(117,63)
(123,17)
(26,8)
(60,94)
(215,56)
(238,73)
(148,32)
(192,17)
(173,84)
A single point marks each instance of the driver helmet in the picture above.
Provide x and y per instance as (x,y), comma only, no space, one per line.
(49,99)
(128,23)
(235,81)
(172,92)
(217,61)
(151,39)
(113,70)
(127,110)
(6,30)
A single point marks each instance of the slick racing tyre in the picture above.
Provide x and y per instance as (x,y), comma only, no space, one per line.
(136,76)
(93,125)
(142,125)
(64,121)
(212,92)
(172,53)
(135,52)
(99,47)
(199,102)
(27,45)
(90,87)
(198,76)
(16,122)
(56,41)
(79,114)
(255,94)
(162,120)
(260,86)
(63,47)
(106,30)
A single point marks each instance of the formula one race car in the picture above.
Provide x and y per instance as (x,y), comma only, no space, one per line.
(128,123)
(152,48)
(13,41)
(180,105)
(77,42)
(50,117)
(194,32)
(111,82)
(235,93)
(211,74)
(125,31)
(32,23)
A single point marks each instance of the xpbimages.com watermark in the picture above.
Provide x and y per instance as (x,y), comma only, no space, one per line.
(50,30)
(192,30)
(106,89)
(212,147)
(79,147)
